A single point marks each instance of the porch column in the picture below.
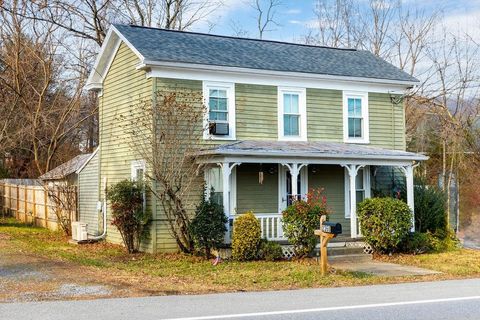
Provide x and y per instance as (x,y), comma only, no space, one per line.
(352,173)
(226,172)
(294,169)
(294,173)
(408,170)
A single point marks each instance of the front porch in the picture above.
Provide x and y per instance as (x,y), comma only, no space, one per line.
(265,176)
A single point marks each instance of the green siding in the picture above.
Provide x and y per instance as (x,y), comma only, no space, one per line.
(88,196)
(123,89)
(251,195)
(256,112)
(324,115)
(332,179)
(256,118)
(387,122)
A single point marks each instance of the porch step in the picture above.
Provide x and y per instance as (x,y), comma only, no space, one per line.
(357,258)
(340,251)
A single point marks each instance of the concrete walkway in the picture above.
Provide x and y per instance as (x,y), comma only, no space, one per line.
(364,263)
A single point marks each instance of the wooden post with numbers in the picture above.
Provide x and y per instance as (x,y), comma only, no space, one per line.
(324,239)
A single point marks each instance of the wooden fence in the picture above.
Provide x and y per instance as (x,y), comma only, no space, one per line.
(29,203)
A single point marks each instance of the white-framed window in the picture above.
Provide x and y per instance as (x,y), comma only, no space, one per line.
(292,114)
(355,117)
(138,170)
(214,179)
(362,188)
(219,98)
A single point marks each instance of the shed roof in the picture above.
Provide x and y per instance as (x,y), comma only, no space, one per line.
(313,149)
(163,45)
(66,168)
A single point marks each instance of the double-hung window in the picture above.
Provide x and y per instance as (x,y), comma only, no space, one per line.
(218,105)
(355,112)
(214,184)
(292,122)
(219,99)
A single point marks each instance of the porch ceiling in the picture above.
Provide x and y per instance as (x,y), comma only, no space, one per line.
(311,151)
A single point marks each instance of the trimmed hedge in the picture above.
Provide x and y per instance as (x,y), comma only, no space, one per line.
(246,237)
(385,223)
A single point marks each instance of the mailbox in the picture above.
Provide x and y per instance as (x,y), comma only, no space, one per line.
(332,227)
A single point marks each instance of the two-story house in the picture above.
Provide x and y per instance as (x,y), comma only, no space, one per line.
(287,117)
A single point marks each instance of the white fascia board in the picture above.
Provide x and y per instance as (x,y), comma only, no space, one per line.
(335,161)
(105,57)
(266,77)
(88,160)
(344,157)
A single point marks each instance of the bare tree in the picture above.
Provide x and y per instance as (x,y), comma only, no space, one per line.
(45,98)
(336,24)
(63,199)
(265,14)
(166,132)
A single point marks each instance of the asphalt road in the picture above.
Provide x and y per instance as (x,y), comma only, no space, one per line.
(459,299)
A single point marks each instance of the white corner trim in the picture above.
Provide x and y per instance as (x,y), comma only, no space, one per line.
(302,105)
(230,88)
(365,139)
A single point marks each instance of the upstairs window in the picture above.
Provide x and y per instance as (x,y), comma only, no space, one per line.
(218,105)
(356,117)
(292,114)
(220,117)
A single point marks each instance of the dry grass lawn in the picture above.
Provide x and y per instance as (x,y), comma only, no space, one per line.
(145,274)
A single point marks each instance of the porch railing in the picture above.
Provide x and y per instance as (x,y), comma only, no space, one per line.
(271,225)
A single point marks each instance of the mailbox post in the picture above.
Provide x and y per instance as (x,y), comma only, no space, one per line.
(327,232)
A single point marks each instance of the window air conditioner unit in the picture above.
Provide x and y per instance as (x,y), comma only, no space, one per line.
(218,128)
(79,231)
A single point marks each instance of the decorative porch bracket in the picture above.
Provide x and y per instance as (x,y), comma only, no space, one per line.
(408,170)
(227,168)
(352,173)
(294,169)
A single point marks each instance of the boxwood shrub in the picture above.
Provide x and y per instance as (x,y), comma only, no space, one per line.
(246,237)
(385,223)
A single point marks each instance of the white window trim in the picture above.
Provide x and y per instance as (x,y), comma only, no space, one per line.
(135,165)
(302,106)
(366,186)
(230,87)
(366,124)
(233,189)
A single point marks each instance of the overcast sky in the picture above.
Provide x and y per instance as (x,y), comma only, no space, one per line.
(295,17)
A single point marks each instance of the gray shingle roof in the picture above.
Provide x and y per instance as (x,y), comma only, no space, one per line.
(66,168)
(316,149)
(196,48)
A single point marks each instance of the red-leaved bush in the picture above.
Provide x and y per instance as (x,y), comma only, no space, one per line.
(302,218)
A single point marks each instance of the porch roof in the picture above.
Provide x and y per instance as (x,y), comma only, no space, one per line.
(346,152)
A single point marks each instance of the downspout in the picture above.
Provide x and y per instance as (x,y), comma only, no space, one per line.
(102,205)
(104,211)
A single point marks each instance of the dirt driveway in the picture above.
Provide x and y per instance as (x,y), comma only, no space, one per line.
(26,277)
